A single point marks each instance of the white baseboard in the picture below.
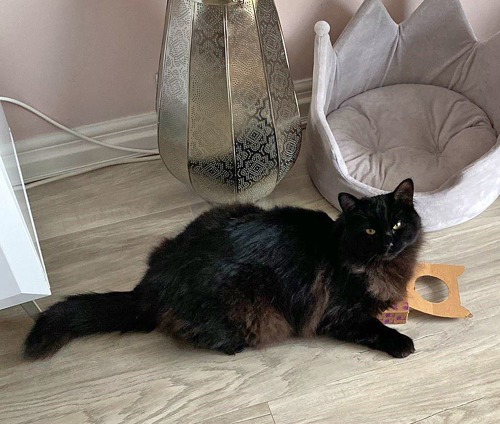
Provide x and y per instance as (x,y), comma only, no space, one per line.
(59,153)
(303,88)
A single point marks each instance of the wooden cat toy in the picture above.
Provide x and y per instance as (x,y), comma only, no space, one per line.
(448,308)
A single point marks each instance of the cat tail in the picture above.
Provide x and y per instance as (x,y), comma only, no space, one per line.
(82,315)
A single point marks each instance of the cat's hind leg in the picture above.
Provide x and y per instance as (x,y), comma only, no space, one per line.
(219,335)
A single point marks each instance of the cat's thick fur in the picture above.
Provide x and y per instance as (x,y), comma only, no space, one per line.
(241,276)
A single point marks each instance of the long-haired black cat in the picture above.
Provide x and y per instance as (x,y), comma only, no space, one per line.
(241,276)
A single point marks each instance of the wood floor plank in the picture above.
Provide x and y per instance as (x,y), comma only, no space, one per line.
(165,382)
(106,196)
(429,382)
(77,418)
(97,231)
(483,410)
(257,414)
(14,324)
(267,419)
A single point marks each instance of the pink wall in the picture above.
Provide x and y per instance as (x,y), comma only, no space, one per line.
(78,61)
(299,16)
(88,61)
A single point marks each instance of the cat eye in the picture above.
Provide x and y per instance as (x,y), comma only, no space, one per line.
(397,226)
(370,231)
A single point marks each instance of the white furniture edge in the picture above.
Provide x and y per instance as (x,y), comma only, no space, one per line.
(24,277)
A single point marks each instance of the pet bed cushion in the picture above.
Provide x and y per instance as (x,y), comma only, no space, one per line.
(392,132)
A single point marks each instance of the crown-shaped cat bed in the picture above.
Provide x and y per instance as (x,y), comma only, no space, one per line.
(420,99)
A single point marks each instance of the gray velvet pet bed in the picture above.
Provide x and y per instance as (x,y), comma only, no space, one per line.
(419,100)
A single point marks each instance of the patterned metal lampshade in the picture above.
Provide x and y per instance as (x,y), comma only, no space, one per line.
(228,119)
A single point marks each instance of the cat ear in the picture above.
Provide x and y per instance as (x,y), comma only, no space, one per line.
(404,192)
(347,201)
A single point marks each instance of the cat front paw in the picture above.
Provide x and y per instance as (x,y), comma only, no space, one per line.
(398,345)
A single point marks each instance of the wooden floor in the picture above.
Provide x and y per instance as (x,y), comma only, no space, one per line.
(96,231)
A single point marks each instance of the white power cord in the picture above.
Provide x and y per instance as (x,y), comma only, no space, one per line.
(75,133)
(84,170)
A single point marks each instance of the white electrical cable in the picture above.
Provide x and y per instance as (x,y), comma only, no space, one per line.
(75,133)
(90,168)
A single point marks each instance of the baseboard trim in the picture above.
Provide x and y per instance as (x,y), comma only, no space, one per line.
(59,153)
(303,88)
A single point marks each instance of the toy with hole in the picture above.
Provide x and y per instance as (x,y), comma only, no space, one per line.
(448,308)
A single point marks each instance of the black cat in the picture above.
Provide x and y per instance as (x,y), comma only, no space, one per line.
(241,276)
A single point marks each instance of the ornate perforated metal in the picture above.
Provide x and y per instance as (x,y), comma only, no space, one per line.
(280,84)
(173,88)
(254,135)
(210,130)
(236,132)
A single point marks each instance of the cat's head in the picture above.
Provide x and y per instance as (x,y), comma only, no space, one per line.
(381,227)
